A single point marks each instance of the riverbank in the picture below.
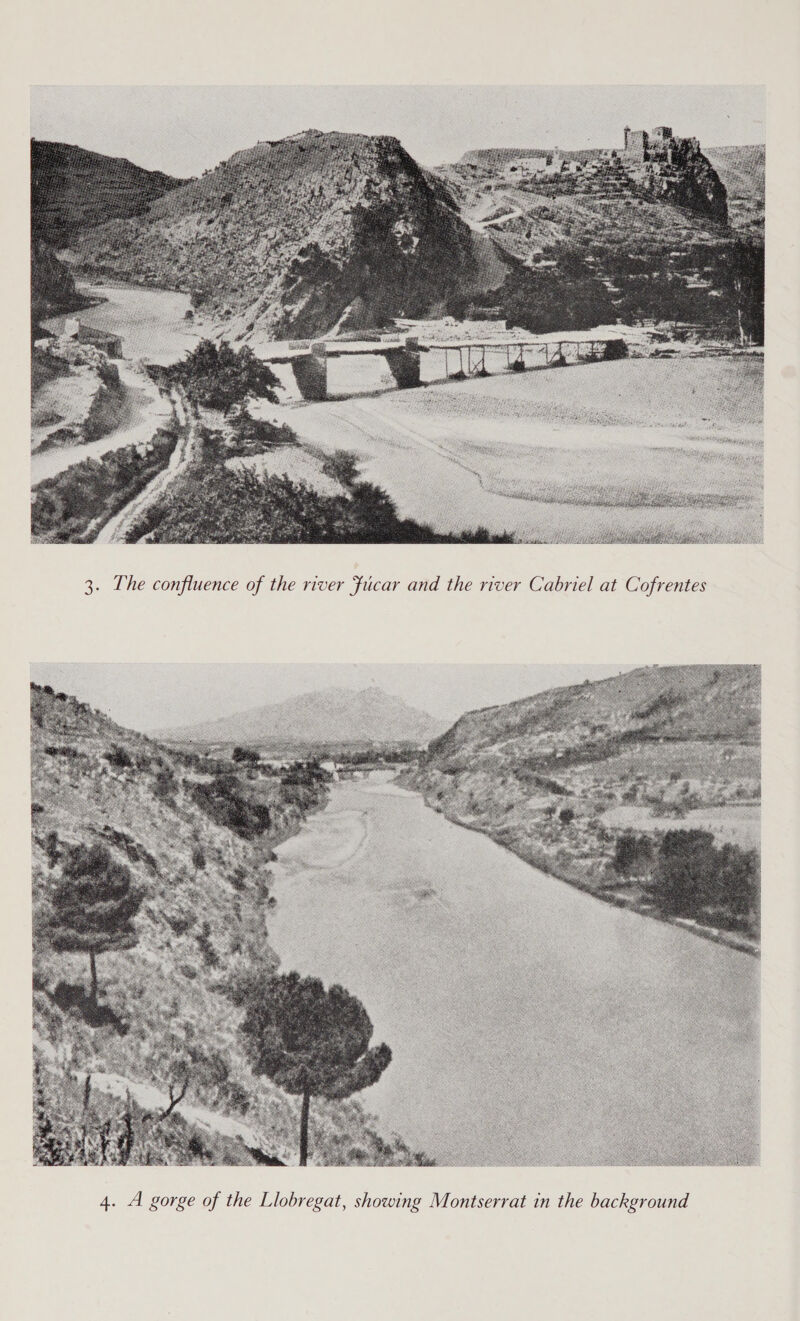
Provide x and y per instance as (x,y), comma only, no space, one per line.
(634,901)
(528,1026)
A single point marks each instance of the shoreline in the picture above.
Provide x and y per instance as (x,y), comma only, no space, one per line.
(742,944)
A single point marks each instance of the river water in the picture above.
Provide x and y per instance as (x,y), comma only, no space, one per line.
(530,1024)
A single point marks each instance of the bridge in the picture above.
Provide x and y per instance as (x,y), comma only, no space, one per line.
(309,359)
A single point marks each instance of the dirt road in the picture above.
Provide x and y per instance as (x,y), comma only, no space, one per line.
(186,453)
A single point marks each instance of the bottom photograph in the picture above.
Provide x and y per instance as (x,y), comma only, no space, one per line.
(458,915)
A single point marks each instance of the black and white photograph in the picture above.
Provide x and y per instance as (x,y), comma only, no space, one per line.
(410,915)
(397,314)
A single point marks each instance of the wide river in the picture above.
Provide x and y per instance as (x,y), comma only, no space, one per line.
(530,1024)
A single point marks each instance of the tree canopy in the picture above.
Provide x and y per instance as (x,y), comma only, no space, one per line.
(94,904)
(311,1041)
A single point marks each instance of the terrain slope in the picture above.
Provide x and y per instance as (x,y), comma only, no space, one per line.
(559,776)
(196,837)
(73,189)
(292,236)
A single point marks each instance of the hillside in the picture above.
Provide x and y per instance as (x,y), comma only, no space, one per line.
(196,836)
(742,171)
(322,233)
(333,716)
(73,189)
(559,777)
(292,236)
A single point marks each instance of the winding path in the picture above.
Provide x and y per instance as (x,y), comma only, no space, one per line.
(184,455)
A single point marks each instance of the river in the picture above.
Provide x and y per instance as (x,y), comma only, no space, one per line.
(530,1024)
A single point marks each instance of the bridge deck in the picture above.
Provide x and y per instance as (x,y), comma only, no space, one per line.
(360,348)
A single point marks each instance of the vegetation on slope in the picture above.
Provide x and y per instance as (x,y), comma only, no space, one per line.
(73,189)
(168,1075)
(561,777)
(76,503)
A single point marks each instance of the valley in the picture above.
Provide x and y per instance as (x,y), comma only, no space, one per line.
(341,238)
(346,835)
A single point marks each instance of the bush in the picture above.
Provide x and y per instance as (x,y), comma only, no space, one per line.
(220,506)
(118,757)
(225,802)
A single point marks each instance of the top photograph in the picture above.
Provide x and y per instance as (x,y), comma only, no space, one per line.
(400,314)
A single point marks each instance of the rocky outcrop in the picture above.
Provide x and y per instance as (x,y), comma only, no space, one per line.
(52,286)
(77,393)
(692,183)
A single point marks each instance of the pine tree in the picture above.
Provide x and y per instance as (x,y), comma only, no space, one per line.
(310,1041)
(93,905)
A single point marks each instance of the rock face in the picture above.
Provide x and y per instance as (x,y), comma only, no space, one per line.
(73,189)
(335,715)
(742,171)
(77,394)
(293,236)
(52,286)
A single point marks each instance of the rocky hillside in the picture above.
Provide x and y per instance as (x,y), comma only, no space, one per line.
(560,776)
(742,171)
(333,716)
(293,236)
(52,284)
(73,190)
(196,839)
(672,703)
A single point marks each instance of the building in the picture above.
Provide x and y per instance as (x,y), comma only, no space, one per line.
(636,142)
(105,340)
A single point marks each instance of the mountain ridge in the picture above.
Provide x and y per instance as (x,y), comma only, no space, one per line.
(328,716)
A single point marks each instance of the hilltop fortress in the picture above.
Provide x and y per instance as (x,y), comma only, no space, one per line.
(658,164)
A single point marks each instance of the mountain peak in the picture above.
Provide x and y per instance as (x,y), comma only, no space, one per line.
(325,716)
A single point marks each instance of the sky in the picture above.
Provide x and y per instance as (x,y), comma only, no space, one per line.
(185,130)
(150,697)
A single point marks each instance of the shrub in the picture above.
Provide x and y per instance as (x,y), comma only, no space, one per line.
(118,757)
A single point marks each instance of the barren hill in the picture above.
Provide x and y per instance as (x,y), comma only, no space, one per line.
(333,716)
(673,703)
(73,189)
(292,235)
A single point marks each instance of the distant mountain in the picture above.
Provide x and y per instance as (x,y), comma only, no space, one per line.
(73,189)
(292,236)
(334,715)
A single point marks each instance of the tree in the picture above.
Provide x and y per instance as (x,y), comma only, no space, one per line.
(310,1041)
(633,854)
(685,871)
(747,287)
(93,905)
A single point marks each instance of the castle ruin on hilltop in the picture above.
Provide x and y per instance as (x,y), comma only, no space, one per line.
(659,146)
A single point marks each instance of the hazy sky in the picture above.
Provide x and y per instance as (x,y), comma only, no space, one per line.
(148,697)
(184,130)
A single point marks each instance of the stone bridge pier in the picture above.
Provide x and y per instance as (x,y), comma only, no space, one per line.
(311,373)
(404,364)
